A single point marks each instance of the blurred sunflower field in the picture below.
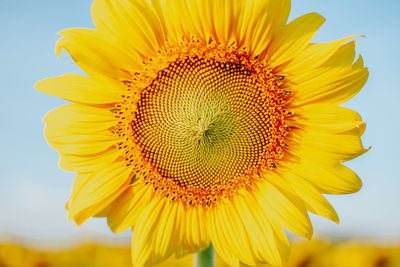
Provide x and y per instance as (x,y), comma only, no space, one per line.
(315,253)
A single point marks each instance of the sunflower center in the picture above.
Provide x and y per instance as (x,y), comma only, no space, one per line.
(202,123)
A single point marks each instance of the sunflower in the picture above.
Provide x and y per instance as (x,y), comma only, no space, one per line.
(205,122)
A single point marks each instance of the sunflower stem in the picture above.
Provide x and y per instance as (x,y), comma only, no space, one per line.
(205,258)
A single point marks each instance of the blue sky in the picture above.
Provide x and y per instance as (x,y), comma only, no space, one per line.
(33,190)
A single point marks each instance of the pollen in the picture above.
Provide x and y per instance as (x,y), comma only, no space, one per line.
(204,125)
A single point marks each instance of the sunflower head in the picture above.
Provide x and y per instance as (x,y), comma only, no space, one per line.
(206,121)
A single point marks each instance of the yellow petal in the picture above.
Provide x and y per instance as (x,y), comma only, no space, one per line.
(359,63)
(232,233)
(82,144)
(134,23)
(219,241)
(335,90)
(336,81)
(103,213)
(167,13)
(344,56)
(187,18)
(293,38)
(98,191)
(263,20)
(169,233)
(323,127)
(268,23)
(241,231)
(284,207)
(329,118)
(327,175)
(219,26)
(336,65)
(78,119)
(224,21)
(80,181)
(281,14)
(126,209)
(158,232)
(326,144)
(88,163)
(79,89)
(78,129)
(314,56)
(313,200)
(196,236)
(98,53)
(266,242)
(192,17)
(247,23)
(142,233)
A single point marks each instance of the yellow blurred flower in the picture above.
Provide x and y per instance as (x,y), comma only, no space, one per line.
(206,121)
(316,253)
(349,254)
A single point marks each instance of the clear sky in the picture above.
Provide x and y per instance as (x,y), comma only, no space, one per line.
(33,190)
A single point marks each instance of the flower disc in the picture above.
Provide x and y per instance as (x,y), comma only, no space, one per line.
(205,125)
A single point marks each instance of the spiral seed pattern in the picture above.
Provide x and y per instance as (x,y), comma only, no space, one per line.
(205,127)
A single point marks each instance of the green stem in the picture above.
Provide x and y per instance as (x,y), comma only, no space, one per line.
(205,258)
